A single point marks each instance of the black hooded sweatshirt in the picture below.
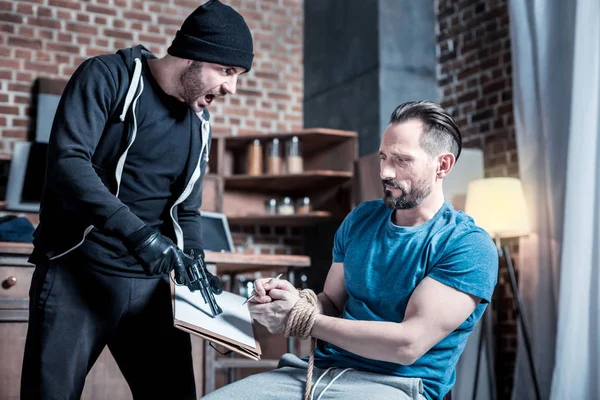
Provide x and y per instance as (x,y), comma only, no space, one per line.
(87,210)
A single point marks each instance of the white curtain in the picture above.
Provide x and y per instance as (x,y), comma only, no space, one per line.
(577,369)
(556,87)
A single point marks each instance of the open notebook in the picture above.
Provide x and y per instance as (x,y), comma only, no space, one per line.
(232,329)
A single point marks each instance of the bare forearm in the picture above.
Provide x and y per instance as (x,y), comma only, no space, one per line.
(384,341)
(326,306)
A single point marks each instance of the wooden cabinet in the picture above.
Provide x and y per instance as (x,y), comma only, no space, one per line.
(15,276)
(12,343)
(328,168)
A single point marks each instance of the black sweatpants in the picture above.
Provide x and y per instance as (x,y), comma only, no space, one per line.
(75,312)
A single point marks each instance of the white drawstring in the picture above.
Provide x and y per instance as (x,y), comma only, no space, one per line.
(318,380)
(137,71)
(330,383)
(205,134)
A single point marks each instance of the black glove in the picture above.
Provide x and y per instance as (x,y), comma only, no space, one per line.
(214,281)
(157,253)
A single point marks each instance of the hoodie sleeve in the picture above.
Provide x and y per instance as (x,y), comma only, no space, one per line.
(84,109)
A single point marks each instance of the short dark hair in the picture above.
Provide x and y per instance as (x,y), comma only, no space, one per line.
(440,132)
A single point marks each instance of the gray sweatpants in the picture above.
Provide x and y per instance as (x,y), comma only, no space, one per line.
(288,380)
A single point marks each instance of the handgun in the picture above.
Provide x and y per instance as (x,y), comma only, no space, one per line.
(200,279)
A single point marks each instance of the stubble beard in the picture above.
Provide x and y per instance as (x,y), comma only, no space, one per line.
(193,87)
(420,190)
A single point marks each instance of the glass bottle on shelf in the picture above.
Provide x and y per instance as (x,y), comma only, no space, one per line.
(286,207)
(255,158)
(271,207)
(303,206)
(293,156)
(273,157)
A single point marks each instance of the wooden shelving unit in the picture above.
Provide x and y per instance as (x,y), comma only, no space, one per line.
(328,158)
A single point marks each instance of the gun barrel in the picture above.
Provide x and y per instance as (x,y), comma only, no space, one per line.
(199,280)
(204,295)
(214,307)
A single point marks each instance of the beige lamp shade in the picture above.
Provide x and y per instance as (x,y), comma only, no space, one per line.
(498,206)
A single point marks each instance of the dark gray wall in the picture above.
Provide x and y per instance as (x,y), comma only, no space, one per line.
(407,54)
(362,59)
(341,65)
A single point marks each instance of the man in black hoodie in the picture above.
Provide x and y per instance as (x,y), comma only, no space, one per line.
(127,153)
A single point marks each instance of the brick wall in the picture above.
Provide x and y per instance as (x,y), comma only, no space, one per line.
(474,76)
(51,38)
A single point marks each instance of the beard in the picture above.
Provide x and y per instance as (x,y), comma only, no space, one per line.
(193,87)
(409,199)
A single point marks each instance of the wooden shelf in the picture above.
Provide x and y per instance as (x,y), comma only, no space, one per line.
(301,184)
(240,262)
(15,248)
(312,140)
(295,220)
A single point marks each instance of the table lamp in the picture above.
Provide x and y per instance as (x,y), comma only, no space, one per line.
(498,206)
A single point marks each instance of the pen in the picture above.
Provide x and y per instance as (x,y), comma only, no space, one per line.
(254,292)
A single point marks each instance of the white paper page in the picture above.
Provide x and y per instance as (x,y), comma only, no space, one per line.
(234,323)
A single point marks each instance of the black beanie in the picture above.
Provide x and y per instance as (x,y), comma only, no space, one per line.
(215,33)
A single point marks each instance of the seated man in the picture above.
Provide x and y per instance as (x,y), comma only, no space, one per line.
(410,279)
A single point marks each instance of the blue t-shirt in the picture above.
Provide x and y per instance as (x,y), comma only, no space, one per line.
(384,263)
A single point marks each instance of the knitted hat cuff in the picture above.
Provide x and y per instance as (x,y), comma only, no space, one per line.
(193,48)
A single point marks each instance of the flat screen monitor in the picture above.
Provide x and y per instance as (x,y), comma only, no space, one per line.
(26,176)
(215,228)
